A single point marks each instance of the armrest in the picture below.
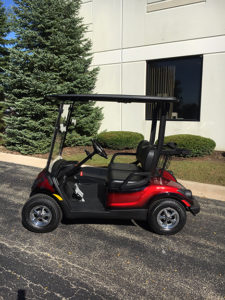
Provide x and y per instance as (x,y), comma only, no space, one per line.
(120,154)
(145,175)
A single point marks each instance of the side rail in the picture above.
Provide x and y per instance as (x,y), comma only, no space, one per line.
(121,154)
(126,185)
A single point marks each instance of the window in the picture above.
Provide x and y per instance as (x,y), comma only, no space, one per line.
(180,77)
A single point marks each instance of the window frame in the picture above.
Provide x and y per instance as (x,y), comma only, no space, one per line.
(147,108)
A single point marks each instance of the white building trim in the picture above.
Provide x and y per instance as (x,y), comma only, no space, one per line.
(209,45)
(155,5)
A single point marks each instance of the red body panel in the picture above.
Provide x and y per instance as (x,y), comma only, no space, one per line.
(169,176)
(42,182)
(139,199)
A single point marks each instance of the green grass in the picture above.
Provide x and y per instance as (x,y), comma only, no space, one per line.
(204,171)
(212,172)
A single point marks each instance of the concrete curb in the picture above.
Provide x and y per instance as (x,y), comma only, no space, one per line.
(210,191)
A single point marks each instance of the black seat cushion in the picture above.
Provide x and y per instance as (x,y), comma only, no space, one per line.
(124,167)
(117,177)
(95,173)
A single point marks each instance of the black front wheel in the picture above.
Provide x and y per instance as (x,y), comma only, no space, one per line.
(166,216)
(41,214)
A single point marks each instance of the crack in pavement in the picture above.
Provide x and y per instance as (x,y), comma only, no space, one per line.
(107,259)
(94,282)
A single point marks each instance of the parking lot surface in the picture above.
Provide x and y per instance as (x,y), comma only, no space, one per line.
(100,259)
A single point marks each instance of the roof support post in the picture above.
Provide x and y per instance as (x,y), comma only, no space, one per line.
(155,108)
(162,127)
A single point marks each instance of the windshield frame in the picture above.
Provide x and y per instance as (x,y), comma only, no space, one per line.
(57,130)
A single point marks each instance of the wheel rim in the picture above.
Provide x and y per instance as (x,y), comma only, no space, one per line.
(40,216)
(168,218)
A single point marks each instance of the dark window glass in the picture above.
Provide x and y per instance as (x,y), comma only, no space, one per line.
(180,77)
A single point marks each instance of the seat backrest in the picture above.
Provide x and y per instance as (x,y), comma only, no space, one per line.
(148,158)
(140,147)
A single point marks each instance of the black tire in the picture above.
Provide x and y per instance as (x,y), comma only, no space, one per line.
(166,216)
(41,213)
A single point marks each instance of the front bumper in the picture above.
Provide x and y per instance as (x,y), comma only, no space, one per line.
(195,207)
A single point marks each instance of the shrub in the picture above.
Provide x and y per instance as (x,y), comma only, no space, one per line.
(120,139)
(74,139)
(198,145)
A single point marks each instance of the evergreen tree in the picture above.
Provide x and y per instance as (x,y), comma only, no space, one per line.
(4,29)
(51,55)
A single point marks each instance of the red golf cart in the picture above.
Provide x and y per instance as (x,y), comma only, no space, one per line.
(143,190)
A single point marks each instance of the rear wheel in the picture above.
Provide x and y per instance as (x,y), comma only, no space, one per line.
(41,214)
(166,216)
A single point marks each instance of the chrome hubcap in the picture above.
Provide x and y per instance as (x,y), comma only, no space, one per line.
(168,218)
(40,216)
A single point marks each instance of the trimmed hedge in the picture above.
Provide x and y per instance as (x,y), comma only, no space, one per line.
(119,140)
(198,145)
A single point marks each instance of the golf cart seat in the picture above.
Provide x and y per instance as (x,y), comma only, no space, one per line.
(125,180)
(129,166)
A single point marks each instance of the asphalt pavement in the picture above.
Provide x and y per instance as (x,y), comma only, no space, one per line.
(100,259)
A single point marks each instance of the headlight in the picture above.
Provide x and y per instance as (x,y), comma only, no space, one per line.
(186,193)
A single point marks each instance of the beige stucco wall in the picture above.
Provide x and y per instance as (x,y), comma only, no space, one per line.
(125,36)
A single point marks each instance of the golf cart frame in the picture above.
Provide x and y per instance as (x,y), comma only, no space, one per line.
(143,190)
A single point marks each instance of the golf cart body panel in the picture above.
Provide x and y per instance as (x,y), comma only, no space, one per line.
(143,190)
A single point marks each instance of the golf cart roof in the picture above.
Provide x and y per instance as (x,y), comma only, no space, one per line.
(112,98)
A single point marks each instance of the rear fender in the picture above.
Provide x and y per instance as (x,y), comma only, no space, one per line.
(174,196)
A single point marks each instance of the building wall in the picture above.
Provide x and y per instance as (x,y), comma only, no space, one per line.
(127,33)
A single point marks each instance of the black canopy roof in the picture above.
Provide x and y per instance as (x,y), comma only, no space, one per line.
(113,98)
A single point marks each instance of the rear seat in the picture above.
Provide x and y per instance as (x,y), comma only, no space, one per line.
(125,179)
(129,166)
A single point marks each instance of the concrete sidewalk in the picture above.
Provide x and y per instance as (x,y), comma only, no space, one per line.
(23,160)
(198,189)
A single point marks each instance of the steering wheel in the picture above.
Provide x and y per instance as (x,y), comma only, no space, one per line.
(98,149)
